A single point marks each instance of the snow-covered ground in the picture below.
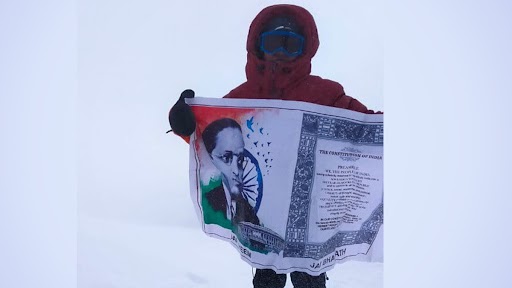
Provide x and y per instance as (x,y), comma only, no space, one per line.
(128,255)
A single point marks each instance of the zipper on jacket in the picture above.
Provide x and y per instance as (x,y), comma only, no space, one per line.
(273,88)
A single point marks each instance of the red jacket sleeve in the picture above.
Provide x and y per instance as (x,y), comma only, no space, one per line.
(186,138)
(346,102)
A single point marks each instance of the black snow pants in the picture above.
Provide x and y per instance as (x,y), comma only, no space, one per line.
(267,278)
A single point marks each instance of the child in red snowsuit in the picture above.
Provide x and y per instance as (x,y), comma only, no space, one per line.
(281,42)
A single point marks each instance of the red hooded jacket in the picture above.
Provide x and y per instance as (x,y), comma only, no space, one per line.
(290,80)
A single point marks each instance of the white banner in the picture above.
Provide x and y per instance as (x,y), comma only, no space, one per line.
(293,186)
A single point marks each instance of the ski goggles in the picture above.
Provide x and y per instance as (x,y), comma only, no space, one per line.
(288,42)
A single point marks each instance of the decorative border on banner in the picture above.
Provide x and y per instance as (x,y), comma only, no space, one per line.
(314,127)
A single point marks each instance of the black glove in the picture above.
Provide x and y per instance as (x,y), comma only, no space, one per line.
(181,118)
